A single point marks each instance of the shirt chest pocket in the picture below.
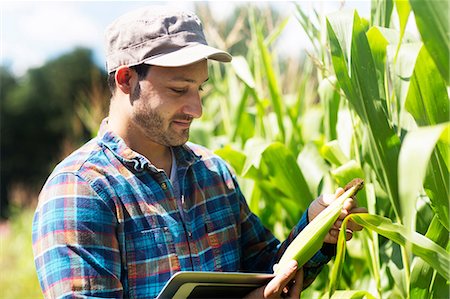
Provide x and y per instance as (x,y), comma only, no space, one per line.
(151,259)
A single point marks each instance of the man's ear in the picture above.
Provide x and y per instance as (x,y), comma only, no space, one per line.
(123,78)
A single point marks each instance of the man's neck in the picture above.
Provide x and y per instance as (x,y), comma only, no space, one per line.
(159,155)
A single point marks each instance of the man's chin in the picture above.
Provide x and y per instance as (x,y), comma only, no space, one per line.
(179,139)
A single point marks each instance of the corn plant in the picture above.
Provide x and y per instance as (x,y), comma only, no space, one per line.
(359,55)
(382,114)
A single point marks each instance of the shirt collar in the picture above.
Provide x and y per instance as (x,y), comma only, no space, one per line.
(183,153)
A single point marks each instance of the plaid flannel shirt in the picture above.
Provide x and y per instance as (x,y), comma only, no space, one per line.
(108,224)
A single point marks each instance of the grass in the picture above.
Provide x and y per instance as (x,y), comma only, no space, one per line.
(18,276)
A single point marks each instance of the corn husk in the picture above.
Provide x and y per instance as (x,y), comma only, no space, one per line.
(310,239)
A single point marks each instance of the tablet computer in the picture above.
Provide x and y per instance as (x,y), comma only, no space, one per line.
(193,284)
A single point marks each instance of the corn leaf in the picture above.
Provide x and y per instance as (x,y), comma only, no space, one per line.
(434,27)
(381,12)
(253,149)
(354,294)
(285,174)
(440,288)
(429,104)
(200,132)
(332,152)
(359,82)
(345,173)
(330,97)
(372,242)
(310,162)
(308,26)
(427,100)
(414,158)
(272,81)
(339,28)
(270,192)
(401,72)
(276,32)
(341,250)
(232,156)
(243,127)
(312,122)
(436,256)
(240,66)
(244,124)
(422,273)
(378,44)
(255,202)
(403,11)
(400,61)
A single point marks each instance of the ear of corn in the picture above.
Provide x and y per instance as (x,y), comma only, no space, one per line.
(310,239)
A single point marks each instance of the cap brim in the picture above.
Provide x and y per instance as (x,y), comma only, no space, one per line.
(189,55)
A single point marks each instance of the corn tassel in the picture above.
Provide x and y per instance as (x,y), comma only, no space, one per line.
(310,239)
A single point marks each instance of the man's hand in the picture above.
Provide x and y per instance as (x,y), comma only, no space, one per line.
(350,207)
(286,284)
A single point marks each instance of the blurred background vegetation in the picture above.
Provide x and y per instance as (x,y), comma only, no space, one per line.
(292,127)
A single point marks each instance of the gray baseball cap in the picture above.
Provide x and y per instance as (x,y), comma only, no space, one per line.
(158,35)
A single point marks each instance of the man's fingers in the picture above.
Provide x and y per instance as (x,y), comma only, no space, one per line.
(348,234)
(275,267)
(352,225)
(281,280)
(333,236)
(327,199)
(344,213)
(350,204)
(337,224)
(296,288)
(339,191)
(358,210)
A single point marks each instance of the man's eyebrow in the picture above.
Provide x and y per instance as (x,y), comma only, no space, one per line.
(185,79)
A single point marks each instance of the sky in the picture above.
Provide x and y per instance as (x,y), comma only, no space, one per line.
(33,32)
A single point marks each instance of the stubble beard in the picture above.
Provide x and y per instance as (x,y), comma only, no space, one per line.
(152,123)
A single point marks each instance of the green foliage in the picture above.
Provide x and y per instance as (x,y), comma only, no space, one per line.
(18,278)
(432,22)
(7,83)
(39,123)
(357,77)
(384,119)
(378,84)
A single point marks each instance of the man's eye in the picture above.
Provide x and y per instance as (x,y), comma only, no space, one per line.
(178,90)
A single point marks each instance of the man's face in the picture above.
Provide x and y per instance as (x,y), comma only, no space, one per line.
(167,100)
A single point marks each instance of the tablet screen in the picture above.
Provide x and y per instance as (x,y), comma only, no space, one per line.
(205,291)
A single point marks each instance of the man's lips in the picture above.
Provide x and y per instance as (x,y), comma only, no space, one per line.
(182,123)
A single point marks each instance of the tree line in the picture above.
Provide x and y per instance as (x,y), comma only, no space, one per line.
(46,114)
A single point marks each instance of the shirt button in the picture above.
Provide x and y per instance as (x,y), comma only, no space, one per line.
(189,234)
(164,185)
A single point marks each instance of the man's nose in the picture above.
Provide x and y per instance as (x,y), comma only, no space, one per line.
(193,105)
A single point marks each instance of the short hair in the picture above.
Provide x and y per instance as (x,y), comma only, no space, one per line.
(141,70)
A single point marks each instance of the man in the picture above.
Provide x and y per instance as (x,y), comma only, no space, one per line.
(122,214)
